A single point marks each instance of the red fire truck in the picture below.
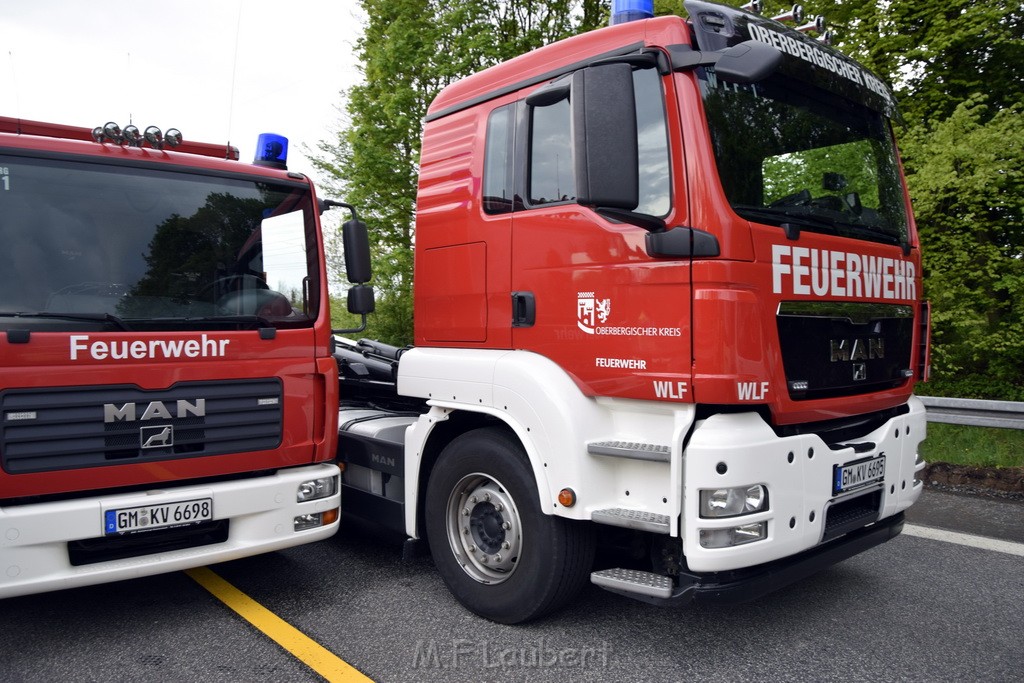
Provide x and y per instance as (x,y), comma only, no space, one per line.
(168,393)
(667,303)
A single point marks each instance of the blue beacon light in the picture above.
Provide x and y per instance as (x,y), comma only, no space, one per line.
(272,151)
(630,10)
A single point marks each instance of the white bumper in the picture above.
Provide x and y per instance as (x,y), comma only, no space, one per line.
(33,538)
(799,485)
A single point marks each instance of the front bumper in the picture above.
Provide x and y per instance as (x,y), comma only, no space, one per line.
(260,514)
(736,450)
(750,584)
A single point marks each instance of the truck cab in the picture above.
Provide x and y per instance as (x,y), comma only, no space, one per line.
(667,292)
(168,395)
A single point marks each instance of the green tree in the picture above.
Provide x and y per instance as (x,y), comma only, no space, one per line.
(969,205)
(957,68)
(372,163)
(410,50)
(934,53)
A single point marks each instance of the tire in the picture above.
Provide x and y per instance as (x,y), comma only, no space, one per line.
(499,555)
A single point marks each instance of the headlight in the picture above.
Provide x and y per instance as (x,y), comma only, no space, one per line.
(315,489)
(732,502)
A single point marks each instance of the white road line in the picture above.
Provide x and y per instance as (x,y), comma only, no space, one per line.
(1008,547)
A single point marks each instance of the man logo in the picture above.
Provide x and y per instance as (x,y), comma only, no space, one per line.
(156,437)
(156,410)
(856,349)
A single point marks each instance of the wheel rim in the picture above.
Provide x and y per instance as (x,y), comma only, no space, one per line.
(484,528)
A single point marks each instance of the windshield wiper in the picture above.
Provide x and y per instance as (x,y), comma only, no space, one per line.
(87,317)
(256,320)
(787,215)
(788,218)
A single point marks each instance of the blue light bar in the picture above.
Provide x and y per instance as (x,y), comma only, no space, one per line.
(631,10)
(272,150)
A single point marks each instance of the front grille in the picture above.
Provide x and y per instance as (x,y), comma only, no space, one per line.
(832,349)
(63,428)
(93,550)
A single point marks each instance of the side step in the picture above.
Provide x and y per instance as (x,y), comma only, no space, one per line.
(632,519)
(633,582)
(628,449)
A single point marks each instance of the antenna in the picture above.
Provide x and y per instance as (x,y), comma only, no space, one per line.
(14,78)
(234,73)
(128,90)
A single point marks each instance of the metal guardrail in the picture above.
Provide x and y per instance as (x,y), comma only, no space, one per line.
(974,412)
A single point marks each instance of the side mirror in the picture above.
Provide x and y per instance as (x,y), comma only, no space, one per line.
(355,240)
(833,181)
(749,62)
(604,128)
(360,299)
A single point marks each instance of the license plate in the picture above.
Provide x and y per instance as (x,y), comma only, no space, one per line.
(857,475)
(161,516)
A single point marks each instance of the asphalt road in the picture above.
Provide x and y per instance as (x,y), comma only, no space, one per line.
(914,609)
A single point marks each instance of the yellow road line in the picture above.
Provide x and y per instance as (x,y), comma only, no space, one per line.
(298,644)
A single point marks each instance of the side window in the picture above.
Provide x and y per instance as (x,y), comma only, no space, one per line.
(551,174)
(652,136)
(497,189)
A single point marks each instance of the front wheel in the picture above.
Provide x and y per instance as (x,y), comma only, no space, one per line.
(499,555)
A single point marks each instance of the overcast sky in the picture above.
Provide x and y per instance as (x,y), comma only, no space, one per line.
(218,70)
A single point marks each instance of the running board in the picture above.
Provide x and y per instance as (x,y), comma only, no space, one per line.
(633,583)
(628,449)
(632,519)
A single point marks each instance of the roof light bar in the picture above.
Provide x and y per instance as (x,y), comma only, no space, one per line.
(131,136)
(754,6)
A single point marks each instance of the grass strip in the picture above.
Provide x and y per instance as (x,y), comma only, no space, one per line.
(975,446)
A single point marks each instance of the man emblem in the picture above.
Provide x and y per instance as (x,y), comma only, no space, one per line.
(156,437)
(860,372)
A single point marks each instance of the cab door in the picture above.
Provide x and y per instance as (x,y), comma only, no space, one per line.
(587,291)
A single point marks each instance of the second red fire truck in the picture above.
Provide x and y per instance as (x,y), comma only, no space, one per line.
(667,301)
(167,391)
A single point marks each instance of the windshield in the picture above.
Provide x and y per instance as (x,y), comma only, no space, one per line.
(89,244)
(789,154)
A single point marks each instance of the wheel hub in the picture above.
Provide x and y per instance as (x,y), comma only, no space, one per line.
(484,528)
